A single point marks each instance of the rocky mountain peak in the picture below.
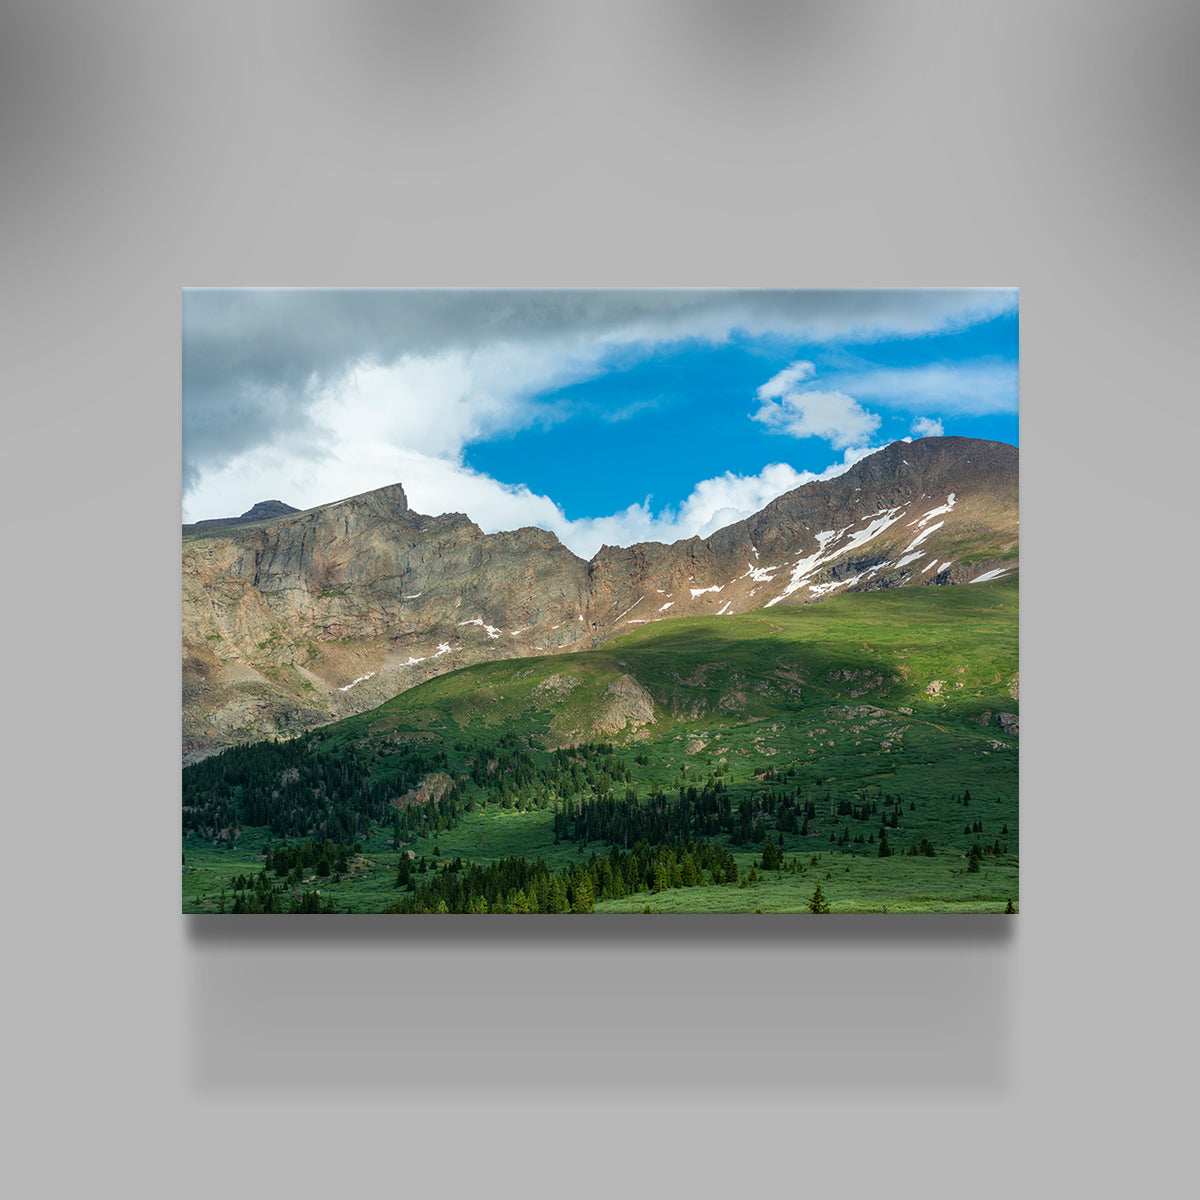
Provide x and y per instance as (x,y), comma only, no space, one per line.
(389,501)
(294,618)
(265,510)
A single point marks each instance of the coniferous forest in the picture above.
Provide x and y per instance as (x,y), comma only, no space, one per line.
(468,795)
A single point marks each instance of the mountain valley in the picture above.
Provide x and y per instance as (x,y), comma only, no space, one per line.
(815,709)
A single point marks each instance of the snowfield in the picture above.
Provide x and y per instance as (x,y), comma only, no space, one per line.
(877,523)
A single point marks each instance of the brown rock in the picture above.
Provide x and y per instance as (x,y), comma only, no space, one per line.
(293,618)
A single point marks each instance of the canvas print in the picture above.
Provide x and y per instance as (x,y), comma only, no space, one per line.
(571,601)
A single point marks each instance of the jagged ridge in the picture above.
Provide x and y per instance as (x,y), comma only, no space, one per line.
(302,617)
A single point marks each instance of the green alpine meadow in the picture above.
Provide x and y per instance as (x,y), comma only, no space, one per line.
(856,755)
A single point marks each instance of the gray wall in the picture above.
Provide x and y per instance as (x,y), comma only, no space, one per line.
(151,147)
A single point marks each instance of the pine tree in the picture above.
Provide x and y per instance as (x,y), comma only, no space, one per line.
(584,895)
(556,901)
(818,903)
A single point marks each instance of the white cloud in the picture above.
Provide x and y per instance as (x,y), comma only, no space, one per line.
(437,485)
(713,504)
(928,427)
(311,397)
(971,388)
(437,404)
(786,380)
(834,416)
(375,424)
(410,421)
(257,362)
(433,485)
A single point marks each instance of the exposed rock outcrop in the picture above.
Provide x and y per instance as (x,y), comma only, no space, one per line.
(1009,722)
(627,706)
(293,618)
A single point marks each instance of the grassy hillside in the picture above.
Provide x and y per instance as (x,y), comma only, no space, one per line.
(819,730)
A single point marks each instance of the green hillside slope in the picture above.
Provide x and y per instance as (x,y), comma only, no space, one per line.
(750,758)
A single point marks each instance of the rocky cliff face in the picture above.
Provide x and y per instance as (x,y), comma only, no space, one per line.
(296,618)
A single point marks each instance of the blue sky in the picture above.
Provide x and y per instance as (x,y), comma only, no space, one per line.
(605,416)
(654,423)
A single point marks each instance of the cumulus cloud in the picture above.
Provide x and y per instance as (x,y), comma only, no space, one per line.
(438,404)
(436,485)
(433,485)
(713,504)
(374,423)
(834,416)
(928,427)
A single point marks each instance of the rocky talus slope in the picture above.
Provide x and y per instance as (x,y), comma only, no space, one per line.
(292,619)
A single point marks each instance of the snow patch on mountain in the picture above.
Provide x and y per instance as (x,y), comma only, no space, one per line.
(443,648)
(922,536)
(824,589)
(935,512)
(632,607)
(760,574)
(876,523)
(491,630)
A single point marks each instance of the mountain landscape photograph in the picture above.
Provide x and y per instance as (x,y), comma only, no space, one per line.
(582,601)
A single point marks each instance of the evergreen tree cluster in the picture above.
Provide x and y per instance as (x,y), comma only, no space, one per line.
(320,856)
(260,894)
(301,787)
(709,811)
(509,774)
(516,885)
